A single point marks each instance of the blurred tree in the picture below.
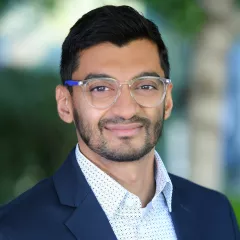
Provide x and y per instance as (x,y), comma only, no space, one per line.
(185,15)
(33,140)
(209,78)
(45,4)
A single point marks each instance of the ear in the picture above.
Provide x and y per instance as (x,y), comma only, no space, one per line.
(64,104)
(168,102)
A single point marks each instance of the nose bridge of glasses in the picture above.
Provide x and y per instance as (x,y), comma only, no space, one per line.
(128,83)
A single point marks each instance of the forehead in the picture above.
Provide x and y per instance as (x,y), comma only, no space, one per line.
(120,62)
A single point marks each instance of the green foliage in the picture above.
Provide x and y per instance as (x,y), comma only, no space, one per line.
(235,201)
(34,141)
(44,4)
(185,15)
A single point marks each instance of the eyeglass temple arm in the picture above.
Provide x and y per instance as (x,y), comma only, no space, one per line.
(71,83)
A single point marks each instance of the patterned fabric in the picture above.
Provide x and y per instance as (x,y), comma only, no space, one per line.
(123,209)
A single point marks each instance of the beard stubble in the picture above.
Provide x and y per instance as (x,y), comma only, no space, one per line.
(95,140)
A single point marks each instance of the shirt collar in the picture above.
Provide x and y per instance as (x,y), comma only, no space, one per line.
(103,185)
(163,182)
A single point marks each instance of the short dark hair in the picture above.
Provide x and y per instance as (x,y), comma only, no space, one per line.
(115,24)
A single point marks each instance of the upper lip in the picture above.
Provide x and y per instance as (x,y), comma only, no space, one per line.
(123,126)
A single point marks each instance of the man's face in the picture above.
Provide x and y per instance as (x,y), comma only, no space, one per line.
(124,131)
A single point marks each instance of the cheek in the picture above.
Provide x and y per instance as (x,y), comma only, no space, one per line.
(154,114)
(88,116)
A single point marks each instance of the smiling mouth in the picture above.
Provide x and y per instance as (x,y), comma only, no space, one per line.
(124,130)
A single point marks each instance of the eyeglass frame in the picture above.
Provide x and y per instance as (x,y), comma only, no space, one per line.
(71,83)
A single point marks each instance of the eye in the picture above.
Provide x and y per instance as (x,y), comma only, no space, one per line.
(146,84)
(147,87)
(99,89)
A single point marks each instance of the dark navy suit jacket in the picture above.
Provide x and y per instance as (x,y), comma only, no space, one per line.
(63,207)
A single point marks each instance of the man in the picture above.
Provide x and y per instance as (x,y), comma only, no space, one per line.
(113,185)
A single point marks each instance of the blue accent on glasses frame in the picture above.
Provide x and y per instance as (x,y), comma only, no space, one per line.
(71,83)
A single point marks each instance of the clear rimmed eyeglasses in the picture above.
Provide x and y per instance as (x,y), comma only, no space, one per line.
(147,91)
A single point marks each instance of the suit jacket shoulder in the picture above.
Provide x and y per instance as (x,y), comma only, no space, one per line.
(209,209)
(61,207)
(38,208)
(193,190)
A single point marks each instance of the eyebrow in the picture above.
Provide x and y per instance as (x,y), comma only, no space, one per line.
(97,75)
(150,74)
(103,75)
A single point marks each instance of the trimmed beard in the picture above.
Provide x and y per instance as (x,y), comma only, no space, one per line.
(101,147)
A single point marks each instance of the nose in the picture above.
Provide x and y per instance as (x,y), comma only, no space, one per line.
(125,107)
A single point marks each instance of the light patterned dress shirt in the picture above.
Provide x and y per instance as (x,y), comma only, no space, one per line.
(123,209)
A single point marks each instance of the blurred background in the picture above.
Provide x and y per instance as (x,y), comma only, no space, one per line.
(201,140)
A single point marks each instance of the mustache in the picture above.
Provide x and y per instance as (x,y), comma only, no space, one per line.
(119,120)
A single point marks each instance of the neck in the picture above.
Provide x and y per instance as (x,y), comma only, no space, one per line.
(137,176)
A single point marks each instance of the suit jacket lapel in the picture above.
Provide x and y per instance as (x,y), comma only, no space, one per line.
(88,220)
(183,216)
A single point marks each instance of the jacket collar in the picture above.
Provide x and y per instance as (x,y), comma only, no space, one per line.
(183,216)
